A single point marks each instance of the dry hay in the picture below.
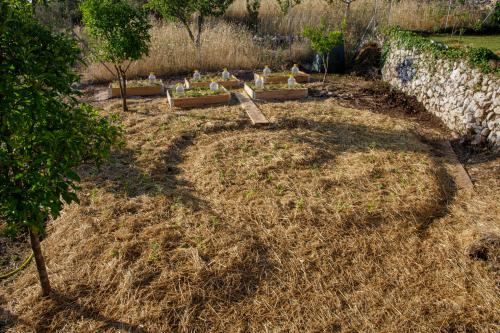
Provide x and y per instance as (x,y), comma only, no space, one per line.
(330,220)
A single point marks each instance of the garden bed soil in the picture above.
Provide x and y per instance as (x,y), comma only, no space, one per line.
(282,77)
(284,93)
(145,90)
(232,83)
(198,101)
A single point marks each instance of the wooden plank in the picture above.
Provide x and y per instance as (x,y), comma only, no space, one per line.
(283,94)
(462,178)
(253,112)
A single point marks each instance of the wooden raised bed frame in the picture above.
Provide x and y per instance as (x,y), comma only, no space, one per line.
(301,77)
(282,94)
(233,82)
(200,101)
(138,91)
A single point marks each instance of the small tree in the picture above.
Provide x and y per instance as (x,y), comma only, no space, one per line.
(45,133)
(323,41)
(184,10)
(347,11)
(253,7)
(120,34)
(285,6)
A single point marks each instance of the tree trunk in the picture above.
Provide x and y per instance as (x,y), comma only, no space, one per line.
(448,15)
(344,33)
(290,39)
(325,65)
(346,13)
(197,44)
(122,78)
(389,13)
(40,263)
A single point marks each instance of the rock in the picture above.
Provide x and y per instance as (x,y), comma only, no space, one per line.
(485,132)
(479,113)
(477,140)
(492,137)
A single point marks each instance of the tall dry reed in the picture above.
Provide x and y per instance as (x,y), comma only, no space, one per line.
(408,14)
(223,45)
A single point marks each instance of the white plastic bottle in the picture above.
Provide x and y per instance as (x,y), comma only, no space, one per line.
(291,82)
(225,74)
(267,71)
(259,83)
(152,77)
(179,90)
(196,75)
(295,69)
(214,86)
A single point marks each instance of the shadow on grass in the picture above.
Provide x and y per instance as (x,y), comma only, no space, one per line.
(333,138)
(7,318)
(59,303)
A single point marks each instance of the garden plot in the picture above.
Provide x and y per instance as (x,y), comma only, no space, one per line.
(282,77)
(138,88)
(198,97)
(278,92)
(231,83)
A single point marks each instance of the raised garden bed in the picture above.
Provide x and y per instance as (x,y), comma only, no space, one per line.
(198,97)
(137,88)
(205,81)
(282,77)
(276,92)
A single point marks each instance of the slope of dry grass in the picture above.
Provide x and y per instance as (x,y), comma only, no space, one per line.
(333,219)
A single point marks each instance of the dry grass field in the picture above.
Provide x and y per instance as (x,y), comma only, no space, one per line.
(223,45)
(337,217)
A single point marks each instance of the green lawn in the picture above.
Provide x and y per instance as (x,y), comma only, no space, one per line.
(491,42)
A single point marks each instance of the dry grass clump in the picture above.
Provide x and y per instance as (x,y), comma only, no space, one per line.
(408,14)
(332,219)
(172,52)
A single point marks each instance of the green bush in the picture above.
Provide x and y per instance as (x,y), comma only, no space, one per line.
(476,57)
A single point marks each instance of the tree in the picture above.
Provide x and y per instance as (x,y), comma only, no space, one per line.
(184,10)
(120,34)
(45,132)
(286,5)
(253,7)
(323,41)
(347,10)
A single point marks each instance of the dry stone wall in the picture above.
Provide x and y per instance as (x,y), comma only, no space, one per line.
(465,99)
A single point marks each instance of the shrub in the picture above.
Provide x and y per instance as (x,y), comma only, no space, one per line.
(120,33)
(323,41)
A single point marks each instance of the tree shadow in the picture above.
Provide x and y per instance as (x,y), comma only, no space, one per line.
(328,138)
(228,285)
(7,318)
(60,303)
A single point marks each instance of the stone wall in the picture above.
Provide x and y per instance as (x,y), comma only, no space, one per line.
(465,99)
